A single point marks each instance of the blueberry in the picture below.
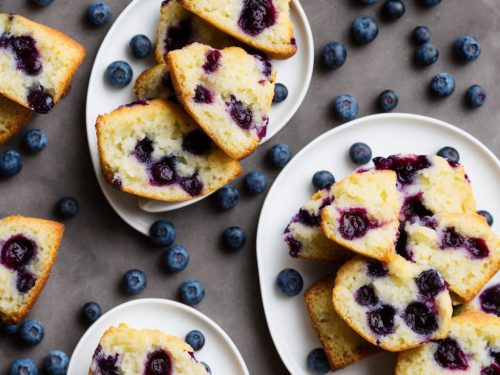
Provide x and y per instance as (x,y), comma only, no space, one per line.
(393,9)
(280,155)
(35,140)
(360,153)
(91,311)
(134,281)
(388,100)
(485,214)
(119,74)
(56,363)
(11,163)
(467,48)
(426,54)
(234,238)
(280,93)
(9,329)
(141,46)
(255,182)
(31,332)
(162,233)
(42,3)
(345,107)
(67,207)
(430,3)
(443,84)
(228,197)
(422,34)
(176,258)
(207,367)
(450,154)
(23,366)
(364,29)
(290,282)
(192,292)
(322,180)
(476,96)
(99,13)
(334,55)
(317,361)
(195,339)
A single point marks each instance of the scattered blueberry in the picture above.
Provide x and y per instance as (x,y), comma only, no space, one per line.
(334,55)
(317,361)
(280,93)
(467,48)
(255,182)
(91,311)
(234,238)
(280,155)
(135,281)
(485,214)
(176,258)
(364,29)
(99,13)
(67,207)
(290,282)
(422,34)
(23,366)
(360,153)
(443,84)
(195,339)
(162,233)
(9,329)
(192,292)
(388,100)
(35,140)
(322,180)
(56,363)
(42,3)
(450,154)
(31,332)
(476,96)
(207,367)
(119,74)
(427,54)
(141,46)
(393,9)
(11,163)
(228,196)
(345,107)
(430,3)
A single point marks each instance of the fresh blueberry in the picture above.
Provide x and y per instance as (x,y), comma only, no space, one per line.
(31,332)
(11,163)
(393,9)
(67,207)
(141,46)
(422,34)
(388,100)
(360,153)
(23,366)
(334,55)
(345,107)
(430,3)
(162,233)
(192,292)
(91,311)
(426,54)
(364,29)
(290,282)
(228,196)
(255,182)
(280,93)
(42,3)
(467,48)
(234,238)
(119,74)
(9,329)
(195,339)
(322,180)
(317,361)
(176,258)
(35,140)
(450,154)
(485,214)
(207,367)
(99,13)
(443,84)
(476,96)
(135,281)
(280,155)
(56,363)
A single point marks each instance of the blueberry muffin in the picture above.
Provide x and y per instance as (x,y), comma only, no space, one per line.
(28,249)
(155,83)
(37,62)
(151,148)
(12,117)
(488,301)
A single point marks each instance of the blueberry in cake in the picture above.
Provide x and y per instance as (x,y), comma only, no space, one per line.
(12,117)
(488,301)
(155,83)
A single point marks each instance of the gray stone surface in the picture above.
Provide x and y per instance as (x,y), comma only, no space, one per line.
(98,247)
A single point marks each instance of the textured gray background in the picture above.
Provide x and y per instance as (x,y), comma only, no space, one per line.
(98,247)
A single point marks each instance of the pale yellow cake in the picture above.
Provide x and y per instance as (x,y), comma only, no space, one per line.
(154,83)
(12,117)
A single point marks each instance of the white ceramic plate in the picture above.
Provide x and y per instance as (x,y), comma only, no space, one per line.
(171,317)
(141,17)
(386,134)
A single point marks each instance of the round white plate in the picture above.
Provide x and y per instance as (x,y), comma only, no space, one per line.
(171,317)
(386,134)
(141,17)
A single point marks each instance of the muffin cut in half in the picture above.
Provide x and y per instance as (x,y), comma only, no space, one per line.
(12,117)
(155,83)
